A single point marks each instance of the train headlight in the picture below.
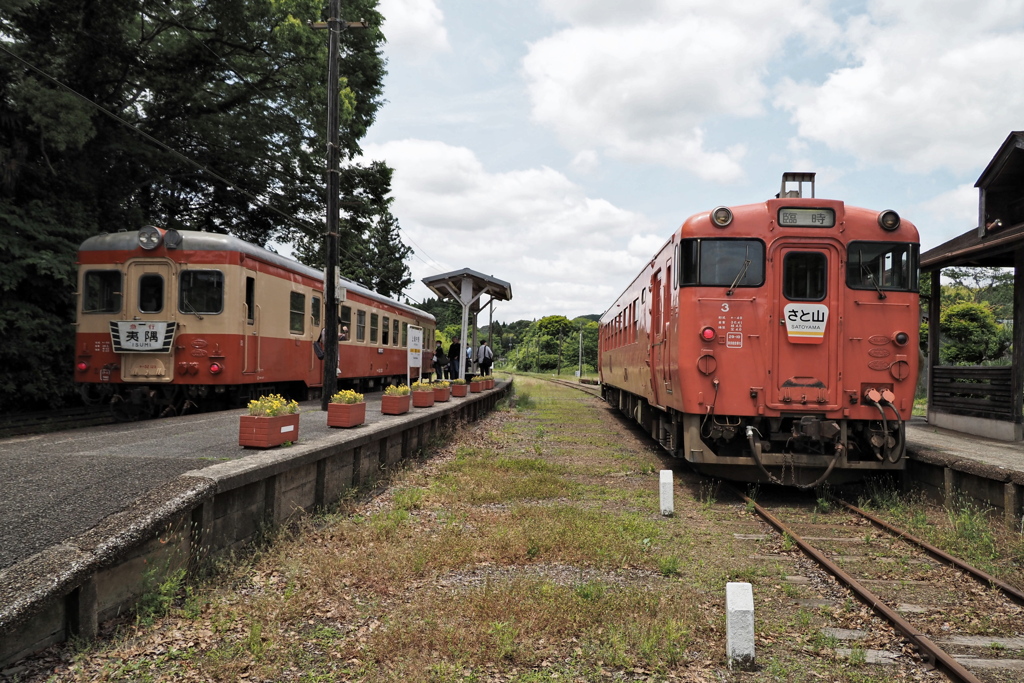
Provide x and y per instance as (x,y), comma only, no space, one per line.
(889,220)
(708,334)
(722,216)
(901,338)
(149,237)
(172,239)
(216,368)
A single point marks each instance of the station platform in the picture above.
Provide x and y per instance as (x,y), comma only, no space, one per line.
(85,515)
(948,465)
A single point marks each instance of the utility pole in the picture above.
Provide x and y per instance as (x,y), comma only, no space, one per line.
(335,26)
(580,374)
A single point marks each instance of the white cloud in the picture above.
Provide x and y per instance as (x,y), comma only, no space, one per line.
(414,27)
(920,90)
(644,84)
(947,215)
(562,251)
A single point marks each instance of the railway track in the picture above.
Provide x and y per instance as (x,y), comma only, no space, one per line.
(963,621)
(39,422)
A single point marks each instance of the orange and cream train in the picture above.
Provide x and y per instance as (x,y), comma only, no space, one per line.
(170,320)
(773,342)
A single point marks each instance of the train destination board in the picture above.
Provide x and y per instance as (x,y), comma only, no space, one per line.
(807,218)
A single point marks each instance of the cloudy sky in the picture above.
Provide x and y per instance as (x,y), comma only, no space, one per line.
(556,144)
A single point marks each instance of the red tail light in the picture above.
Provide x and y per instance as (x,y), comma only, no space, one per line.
(708,334)
(216,368)
(82,366)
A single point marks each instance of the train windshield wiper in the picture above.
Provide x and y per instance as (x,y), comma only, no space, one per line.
(739,276)
(870,276)
(191,309)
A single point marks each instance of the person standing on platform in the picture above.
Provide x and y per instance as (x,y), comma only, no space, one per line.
(484,358)
(454,356)
(440,361)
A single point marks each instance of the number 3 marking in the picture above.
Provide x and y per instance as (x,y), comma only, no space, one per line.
(725,308)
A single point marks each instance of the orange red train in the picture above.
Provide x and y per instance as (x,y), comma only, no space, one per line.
(170,320)
(773,342)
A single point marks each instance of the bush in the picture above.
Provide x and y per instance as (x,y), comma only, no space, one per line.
(971,335)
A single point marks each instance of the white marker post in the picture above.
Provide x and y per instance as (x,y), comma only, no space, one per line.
(668,506)
(739,625)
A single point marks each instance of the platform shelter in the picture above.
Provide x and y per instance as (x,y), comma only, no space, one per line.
(467,287)
(984,400)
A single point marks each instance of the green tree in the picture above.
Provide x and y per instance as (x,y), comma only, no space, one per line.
(237,87)
(971,335)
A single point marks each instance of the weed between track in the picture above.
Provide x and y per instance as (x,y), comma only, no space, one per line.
(528,548)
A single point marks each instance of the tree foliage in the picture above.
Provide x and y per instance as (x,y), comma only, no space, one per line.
(971,335)
(552,344)
(237,87)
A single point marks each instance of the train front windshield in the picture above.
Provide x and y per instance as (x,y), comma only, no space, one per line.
(891,266)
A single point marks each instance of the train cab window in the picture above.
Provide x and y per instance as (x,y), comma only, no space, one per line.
(394,332)
(374,327)
(101,292)
(151,293)
(805,276)
(385,333)
(891,266)
(314,306)
(297,313)
(721,263)
(201,292)
(346,322)
(360,326)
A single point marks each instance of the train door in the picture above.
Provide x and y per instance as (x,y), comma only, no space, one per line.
(806,359)
(145,335)
(251,333)
(657,337)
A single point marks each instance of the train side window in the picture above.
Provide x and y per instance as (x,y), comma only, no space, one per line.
(201,291)
(394,332)
(314,305)
(250,300)
(102,291)
(385,332)
(297,313)
(805,276)
(374,327)
(346,322)
(151,293)
(405,335)
(891,266)
(360,326)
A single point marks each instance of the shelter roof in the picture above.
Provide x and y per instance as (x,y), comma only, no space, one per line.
(1002,183)
(449,286)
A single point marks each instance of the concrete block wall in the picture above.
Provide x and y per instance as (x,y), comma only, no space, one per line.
(69,589)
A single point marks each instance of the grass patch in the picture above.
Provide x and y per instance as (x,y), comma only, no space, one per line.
(531,550)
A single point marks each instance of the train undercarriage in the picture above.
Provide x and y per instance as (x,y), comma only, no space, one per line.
(802,450)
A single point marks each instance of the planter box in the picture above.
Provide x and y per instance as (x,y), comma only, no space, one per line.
(346,414)
(442,394)
(266,432)
(423,399)
(476,387)
(460,390)
(394,405)
(488,383)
